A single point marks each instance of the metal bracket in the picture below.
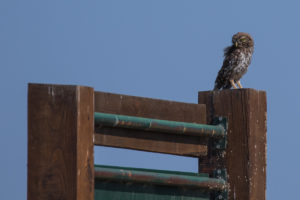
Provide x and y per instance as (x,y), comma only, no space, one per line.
(219,146)
(220,143)
(220,173)
(222,194)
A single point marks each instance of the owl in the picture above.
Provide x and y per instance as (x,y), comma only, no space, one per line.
(237,58)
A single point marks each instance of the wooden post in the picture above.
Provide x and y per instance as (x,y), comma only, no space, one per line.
(60,142)
(245,158)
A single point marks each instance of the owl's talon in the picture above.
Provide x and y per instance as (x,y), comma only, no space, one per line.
(232,84)
(239,84)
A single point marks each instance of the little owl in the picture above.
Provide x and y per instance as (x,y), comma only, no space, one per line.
(237,59)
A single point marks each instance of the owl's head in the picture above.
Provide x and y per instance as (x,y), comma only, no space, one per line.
(242,40)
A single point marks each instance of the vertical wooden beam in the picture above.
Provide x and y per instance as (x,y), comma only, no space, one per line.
(60,142)
(245,158)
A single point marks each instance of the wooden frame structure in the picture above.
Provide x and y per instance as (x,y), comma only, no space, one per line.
(62,135)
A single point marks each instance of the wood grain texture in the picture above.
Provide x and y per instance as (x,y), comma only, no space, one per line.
(60,142)
(151,141)
(147,140)
(245,157)
(149,108)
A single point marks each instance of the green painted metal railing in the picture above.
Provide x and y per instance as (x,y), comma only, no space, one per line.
(149,124)
(157,177)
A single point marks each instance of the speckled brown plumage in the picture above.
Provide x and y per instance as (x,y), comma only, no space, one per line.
(237,59)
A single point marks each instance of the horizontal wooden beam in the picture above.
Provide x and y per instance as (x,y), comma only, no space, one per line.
(149,108)
(149,140)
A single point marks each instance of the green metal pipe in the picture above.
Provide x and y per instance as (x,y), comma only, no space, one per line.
(141,123)
(158,178)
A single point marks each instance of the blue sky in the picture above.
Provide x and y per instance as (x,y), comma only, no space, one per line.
(167,49)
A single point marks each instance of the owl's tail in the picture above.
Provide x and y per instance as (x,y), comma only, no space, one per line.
(218,84)
(221,85)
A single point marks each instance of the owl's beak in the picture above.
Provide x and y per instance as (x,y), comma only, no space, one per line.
(236,44)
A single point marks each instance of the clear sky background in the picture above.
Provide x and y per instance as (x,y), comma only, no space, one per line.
(167,49)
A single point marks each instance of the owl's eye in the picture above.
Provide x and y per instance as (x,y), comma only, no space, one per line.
(244,39)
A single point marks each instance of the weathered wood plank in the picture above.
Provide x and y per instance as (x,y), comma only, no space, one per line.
(60,142)
(149,108)
(245,157)
(147,140)
(151,141)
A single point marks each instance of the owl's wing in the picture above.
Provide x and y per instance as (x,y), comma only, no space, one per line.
(222,80)
(230,60)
